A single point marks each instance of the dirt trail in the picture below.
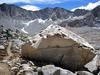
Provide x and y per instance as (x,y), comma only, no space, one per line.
(10,54)
(9,49)
(4,67)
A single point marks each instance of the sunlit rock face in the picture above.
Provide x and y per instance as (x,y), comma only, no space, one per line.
(59,50)
(52,70)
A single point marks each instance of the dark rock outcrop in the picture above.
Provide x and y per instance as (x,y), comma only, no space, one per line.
(80,12)
(87,21)
(96,11)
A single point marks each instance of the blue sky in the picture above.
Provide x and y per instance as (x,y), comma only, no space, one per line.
(67,4)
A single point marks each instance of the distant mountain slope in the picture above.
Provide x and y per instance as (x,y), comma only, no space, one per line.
(14,17)
(35,26)
(19,13)
(54,13)
(79,21)
(14,12)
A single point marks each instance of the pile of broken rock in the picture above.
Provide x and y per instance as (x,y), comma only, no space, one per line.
(24,67)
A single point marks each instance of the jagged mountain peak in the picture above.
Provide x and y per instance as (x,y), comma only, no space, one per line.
(62,9)
(46,13)
(55,8)
(15,12)
(55,13)
(5,4)
(9,7)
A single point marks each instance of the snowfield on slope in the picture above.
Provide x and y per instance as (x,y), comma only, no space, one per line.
(35,26)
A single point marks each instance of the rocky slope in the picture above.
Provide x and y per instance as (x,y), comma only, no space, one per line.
(80,21)
(17,16)
(13,63)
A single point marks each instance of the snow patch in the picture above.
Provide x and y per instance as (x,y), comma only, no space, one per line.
(96,28)
(41,21)
(23,30)
(27,24)
(32,21)
(2,47)
(78,17)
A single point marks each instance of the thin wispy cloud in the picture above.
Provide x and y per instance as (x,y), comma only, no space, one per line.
(30,7)
(47,1)
(51,1)
(90,6)
(36,1)
(14,1)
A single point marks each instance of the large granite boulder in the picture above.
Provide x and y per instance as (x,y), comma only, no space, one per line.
(60,47)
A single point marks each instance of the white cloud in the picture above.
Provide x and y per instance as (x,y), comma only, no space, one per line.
(90,6)
(30,7)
